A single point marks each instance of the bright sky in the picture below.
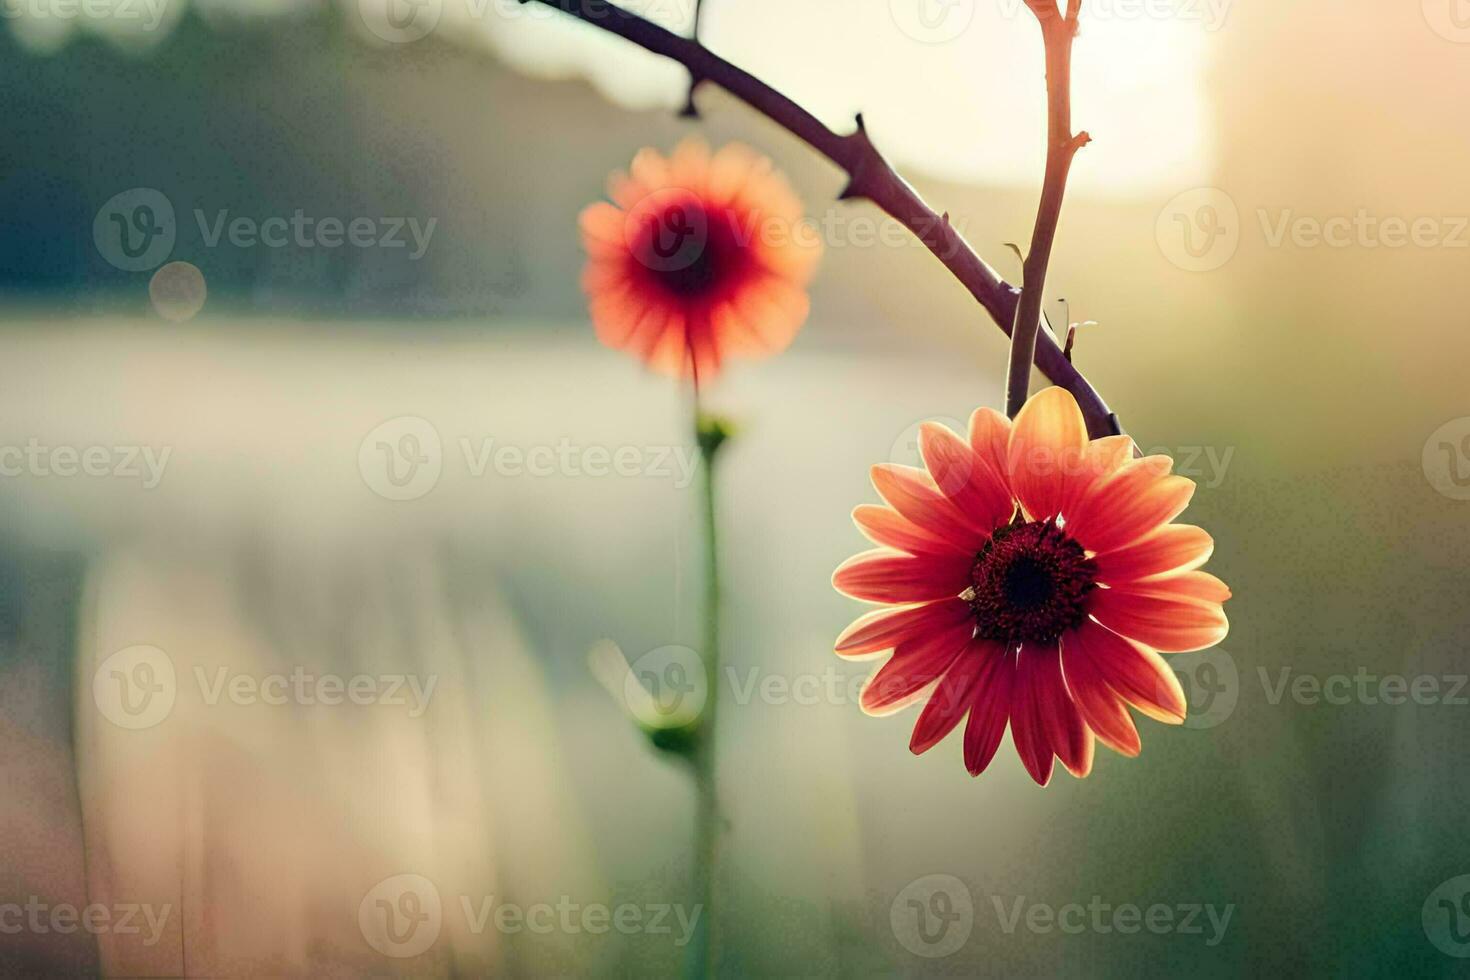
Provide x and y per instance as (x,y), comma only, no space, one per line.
(954,88)
(951,88)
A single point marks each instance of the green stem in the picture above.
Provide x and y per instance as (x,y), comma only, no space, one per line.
(710,434)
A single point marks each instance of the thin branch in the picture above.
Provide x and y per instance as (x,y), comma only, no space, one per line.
(690,110)
(870,176)
(1057,32)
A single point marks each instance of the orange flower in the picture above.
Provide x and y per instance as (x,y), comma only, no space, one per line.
(699,257)
(1040,577)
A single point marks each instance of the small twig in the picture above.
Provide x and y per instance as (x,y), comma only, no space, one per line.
(1057,32)
(870,176)
(690,110)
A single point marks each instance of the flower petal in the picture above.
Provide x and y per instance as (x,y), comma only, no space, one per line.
(765,316)
(1170,549)
(967,480)
(753,304)
(886,576)
(990,437)
(915,664)
(1136,673)
(1102,709)
(1070,737)
(948,703)
(887,527)
(1167,623)
(602,230)
(650,169)
(1190,585)
(619,316)
(690,163)
(1048,436)
(1102,457)
(914,494)
(1029,728)
(884,629)
(1132,503)
(992,704)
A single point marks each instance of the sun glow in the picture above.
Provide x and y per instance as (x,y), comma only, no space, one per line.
(950,88)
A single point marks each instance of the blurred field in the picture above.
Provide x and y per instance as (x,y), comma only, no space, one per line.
(264,547)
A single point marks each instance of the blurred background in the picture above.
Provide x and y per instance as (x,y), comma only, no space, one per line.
(1272,230)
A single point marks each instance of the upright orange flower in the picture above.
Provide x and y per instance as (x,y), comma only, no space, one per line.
(699,257)
(1040,577)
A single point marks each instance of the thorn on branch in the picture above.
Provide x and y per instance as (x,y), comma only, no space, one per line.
(1019,257)
(857,166)
(690,110)
(1072,337)
(870,176)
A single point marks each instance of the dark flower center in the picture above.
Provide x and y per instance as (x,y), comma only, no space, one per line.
(687,248)
(693,278)
(1029,583)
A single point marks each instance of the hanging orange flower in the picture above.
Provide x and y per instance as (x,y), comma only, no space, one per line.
(1040,577)
(700,256)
